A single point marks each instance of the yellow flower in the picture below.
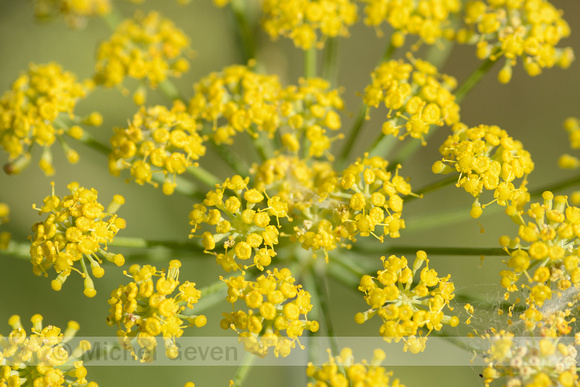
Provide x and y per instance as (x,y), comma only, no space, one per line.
(74,230)
(144,309)
(430,20)
(276,315)
(529,29)
(406,309)
(41,358)
(75,12)
(37,110)
(487,158)
(416,96)
(148,48)
(304,20)
(157,139)
(545,242)
(342,370)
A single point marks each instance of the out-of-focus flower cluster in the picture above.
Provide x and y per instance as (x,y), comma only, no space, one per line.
(36,111)
(157,139)
(240,100)
(145,309)
(75,12)
(74,229)
(429,19)
(416,96)
(148,48)
(406,309)
(342,370)
(486,157)
(277,314)
(308,22)
(40,358)
(529,29)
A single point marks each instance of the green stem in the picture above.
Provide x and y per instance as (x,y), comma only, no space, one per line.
(170,90)
(211,295)
(244,32)
(318,282)
(310,62)
(91,142)
(203,176)
(244,369)
(362,113)
(353,134)
(232,159)
(482,303)
(432,187)
(147,243)
(330,61)
(570,182)
(382,145)
(16,249)
(473,80)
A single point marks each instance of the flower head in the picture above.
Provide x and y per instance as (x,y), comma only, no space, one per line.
(416,96)
(146,308)
(37,110)
(146,47)
(406,309)
(237,100)
(545,250)
(342,370)
(157,139)
(430,20)
(276,316)
(308,22)
(75,12)
(41,358)
(241,217)
(528,29)
(75,229)
(486,157)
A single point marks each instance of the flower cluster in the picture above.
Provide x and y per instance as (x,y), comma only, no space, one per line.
(430,19)
(236,100)
(530,29)
(486,157)
(75,12)
(157,139)
(242,221)
(277,314)
(41,359)
(406,309)
(374,198)
(303,20)
(75,228)
(546,242)
(307,111)
(30,113)
(148,48)
(416,95)
(239,100)
(542,361)
(342,370)
(144,309)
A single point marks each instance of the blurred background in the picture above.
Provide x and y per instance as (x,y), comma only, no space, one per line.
(530,109)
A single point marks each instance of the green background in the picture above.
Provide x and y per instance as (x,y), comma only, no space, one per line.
(530,109)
